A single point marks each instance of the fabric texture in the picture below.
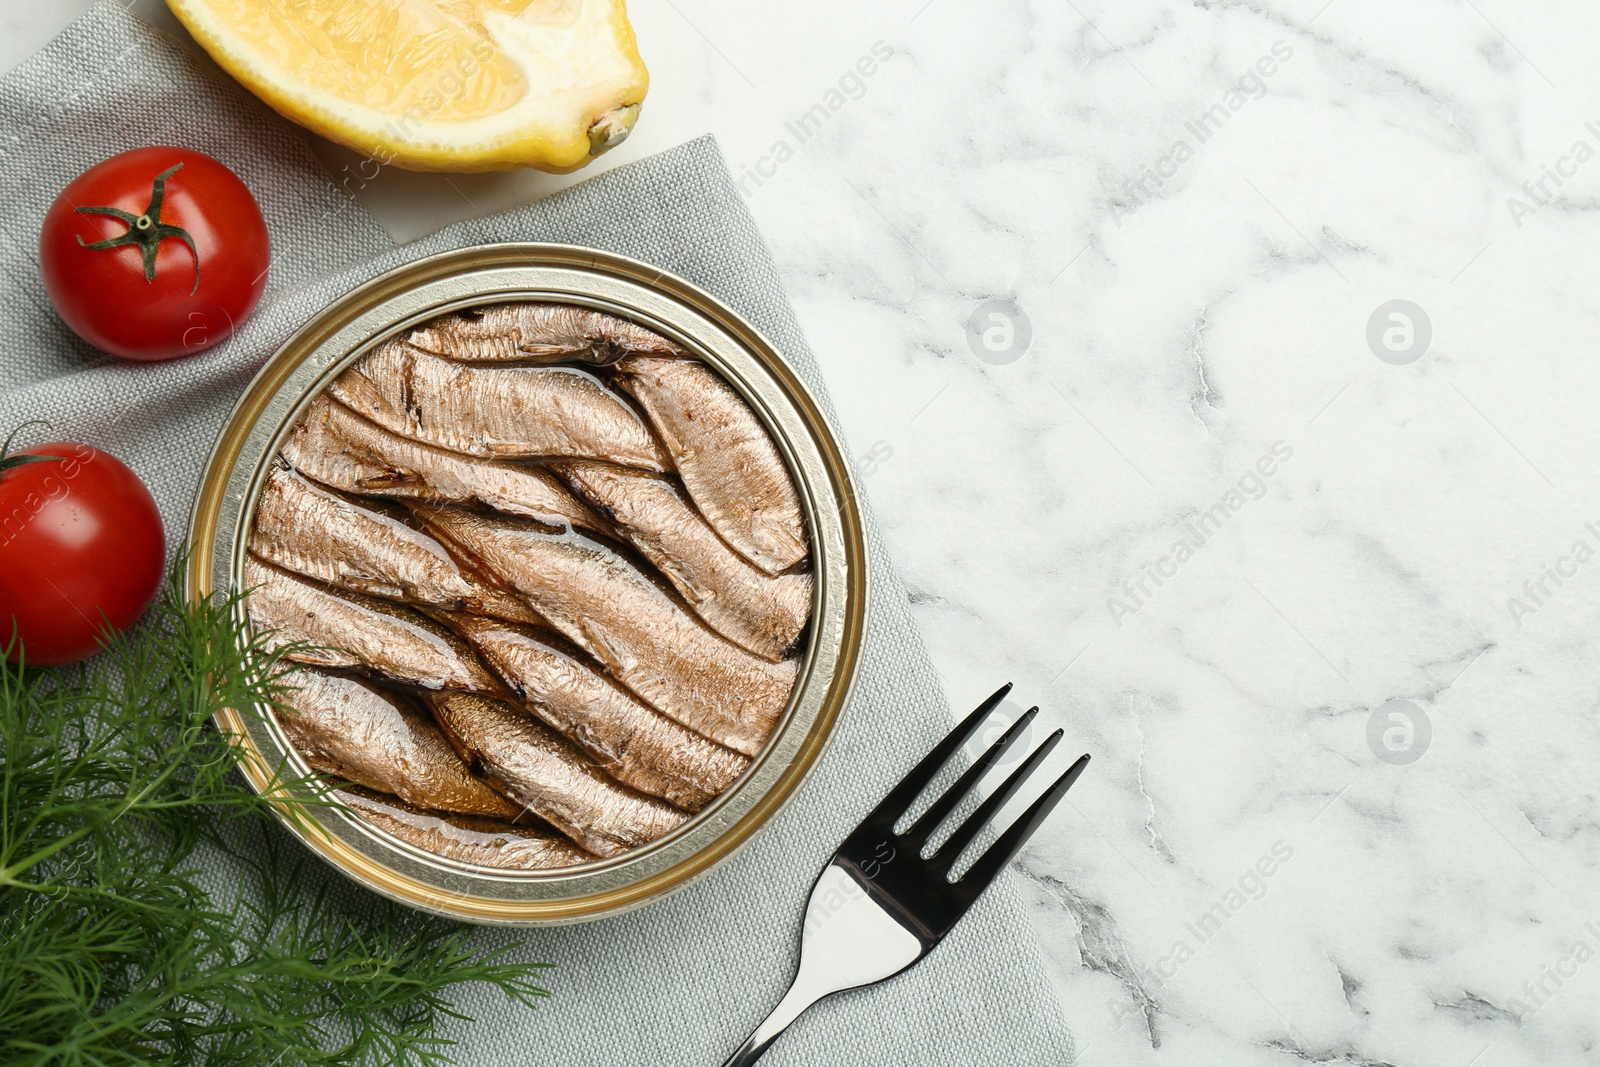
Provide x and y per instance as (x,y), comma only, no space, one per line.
(682,980)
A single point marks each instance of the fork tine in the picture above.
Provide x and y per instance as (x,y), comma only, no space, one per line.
(888,812)
(940,809)
(964,834)
(1010,843)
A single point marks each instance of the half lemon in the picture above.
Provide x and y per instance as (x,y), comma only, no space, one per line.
(437,84)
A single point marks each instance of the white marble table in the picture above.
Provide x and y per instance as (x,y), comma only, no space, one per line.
(1323,608)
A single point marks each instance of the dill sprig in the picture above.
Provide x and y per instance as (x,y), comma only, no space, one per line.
(151,910)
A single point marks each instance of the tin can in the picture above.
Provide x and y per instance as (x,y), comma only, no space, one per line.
(395,302)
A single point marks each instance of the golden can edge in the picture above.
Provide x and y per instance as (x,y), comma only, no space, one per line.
(485,274)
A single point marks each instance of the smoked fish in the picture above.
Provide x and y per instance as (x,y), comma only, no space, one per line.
(633,743)
(729,465)
(348,728)
(464,838)
(304,528)
(333,445)
(496,412)
(540,333)
(542,771)
(603,604)
(764,613)
(360,631)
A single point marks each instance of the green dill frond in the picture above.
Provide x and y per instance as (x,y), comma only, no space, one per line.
(151,909)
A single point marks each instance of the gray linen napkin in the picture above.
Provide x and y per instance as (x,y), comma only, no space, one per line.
(680,981)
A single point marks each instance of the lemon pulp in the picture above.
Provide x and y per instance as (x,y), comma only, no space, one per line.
(437,84)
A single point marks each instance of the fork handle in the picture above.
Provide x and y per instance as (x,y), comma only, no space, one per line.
(794,1002)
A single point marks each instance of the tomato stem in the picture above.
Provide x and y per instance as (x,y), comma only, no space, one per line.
(146,230)
(8,461)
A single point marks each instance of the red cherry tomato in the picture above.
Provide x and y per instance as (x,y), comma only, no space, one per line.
(156,253)
(80,545)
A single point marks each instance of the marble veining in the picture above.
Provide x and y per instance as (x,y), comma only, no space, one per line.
(1343,803)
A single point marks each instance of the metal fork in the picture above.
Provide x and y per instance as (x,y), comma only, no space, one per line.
(879,906)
